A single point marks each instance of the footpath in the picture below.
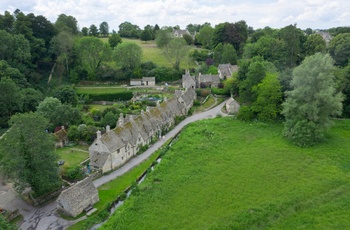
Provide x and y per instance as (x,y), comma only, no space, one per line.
(45,217)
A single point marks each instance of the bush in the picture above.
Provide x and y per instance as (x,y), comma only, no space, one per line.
(205,93)
(245,113)
(219,91)
(196,103)
(73,173)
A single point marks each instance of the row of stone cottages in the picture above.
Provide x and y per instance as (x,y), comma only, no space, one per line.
(116,146)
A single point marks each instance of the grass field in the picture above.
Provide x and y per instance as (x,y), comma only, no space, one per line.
(225,174)
(110,191)
(150,52)
(72,157)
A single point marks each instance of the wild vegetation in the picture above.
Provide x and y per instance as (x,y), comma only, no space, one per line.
(226,174)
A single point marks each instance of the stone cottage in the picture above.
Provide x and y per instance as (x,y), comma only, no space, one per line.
(188,81)
(232,106)
(226,70)
(78,197)
(146,81)
(208,80)
(115,147)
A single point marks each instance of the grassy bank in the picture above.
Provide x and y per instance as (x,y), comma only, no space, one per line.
(225,174)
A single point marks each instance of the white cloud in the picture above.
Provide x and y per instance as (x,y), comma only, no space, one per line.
(273,13)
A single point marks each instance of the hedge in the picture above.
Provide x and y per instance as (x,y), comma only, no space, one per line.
(120,96)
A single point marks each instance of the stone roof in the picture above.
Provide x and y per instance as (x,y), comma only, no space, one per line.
(226,70)
(76,198)
(208,78)
(181,32)
(188,80)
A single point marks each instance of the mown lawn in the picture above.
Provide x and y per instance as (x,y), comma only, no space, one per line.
(72,157)
(225,174)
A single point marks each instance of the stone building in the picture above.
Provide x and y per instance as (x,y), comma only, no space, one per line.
(61,138)
(117,146)
(146,81)
(188,81)
(232,106)
(78,197)
(226,70)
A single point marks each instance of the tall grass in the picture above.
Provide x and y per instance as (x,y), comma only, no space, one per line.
(225,174)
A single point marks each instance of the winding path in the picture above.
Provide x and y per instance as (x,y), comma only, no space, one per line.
(45,217)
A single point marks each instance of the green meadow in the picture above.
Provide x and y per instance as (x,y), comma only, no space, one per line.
(225,174)
(150,52)
(99,90)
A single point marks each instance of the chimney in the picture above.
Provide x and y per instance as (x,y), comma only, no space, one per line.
(62,127)
(147,109)
(158,103)
(165,99)
(98,135)
(120,120)
(108,128)
(142,112)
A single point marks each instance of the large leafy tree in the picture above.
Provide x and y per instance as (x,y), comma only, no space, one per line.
(11,100)
(92,52)
(339,49)
(66,94)
(57,113)
(269,98)
(104,29)
(93,31)
(314,44)
(313,101)
(114,40)
(176,51)
(205,36)
(62,46)
(128,30)
(67,23)
(294,39)
(7,22)
(27,154)
(128,55)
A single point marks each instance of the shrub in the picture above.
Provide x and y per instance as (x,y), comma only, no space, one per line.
(205,93)
(73,173)
(245,113)
(219,91)
(196,103)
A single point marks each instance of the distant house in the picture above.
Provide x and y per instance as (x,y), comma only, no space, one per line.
(226,70)
(188,81)
(232,106)
(135,81)
(78,197)
(181,33)
(208,80)
(147,81)
(61,138)
(325,35)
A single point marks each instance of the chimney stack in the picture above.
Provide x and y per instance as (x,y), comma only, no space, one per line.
(98,135)
(108,128)
(120,120)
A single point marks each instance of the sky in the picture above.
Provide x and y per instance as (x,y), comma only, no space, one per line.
(315,14)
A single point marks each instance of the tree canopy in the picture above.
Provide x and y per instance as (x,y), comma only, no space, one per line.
(27,154)
(312,102)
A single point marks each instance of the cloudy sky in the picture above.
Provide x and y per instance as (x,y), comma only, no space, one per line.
(316,14)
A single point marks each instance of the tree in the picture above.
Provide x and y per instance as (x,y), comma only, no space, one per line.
(62,46)
(128,55)
(313,101)
(163,38)
(104,29)
(176,51)
(314,44)
(205,36)
(7,22)
(42,28)
(66,94)
(128,30)
(57,113)
(146,35)
(92,52)
(269,98)
(93,31)
(67,23)
(11,100)
(188,38)
(85,31)
(229,55)
(109,119)
(339,49)
(31,99)
(114,40)
(4,224)
(294,39)
(27,154)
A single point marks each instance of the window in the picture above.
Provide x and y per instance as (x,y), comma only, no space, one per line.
(118,151)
